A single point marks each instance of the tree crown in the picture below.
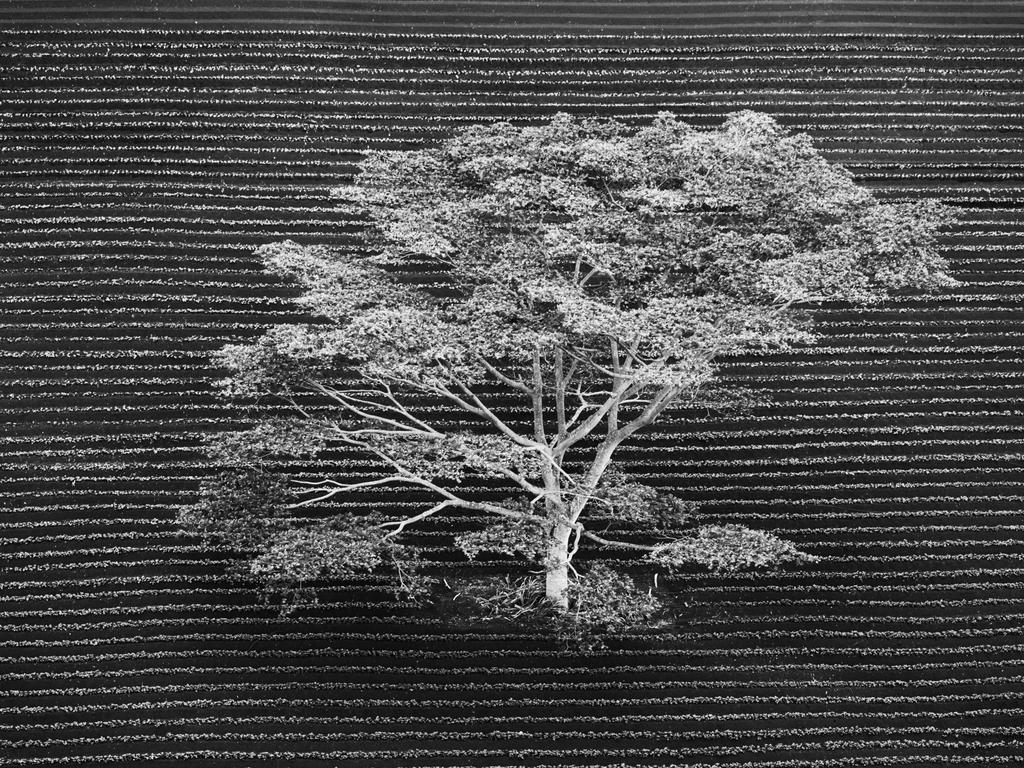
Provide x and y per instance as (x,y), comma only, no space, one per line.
(681,245)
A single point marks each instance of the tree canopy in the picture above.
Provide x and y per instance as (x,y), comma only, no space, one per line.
(597,272)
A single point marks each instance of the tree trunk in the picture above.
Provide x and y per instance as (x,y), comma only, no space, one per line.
(557,577)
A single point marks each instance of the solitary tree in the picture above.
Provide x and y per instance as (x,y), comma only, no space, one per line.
(594,271)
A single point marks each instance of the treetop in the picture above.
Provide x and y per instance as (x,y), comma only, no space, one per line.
(672,241)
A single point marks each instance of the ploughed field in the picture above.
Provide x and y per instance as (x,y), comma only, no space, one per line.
(142,166)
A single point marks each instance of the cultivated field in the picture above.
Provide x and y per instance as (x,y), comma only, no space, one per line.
(140,166)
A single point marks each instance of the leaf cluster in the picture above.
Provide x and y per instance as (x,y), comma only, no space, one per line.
(636,504)
(342,546)
(603,600)
(449,456)
(527,538)
(269,439)
(241,509)
(729,548)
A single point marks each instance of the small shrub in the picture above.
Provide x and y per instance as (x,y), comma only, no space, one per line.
(603,603)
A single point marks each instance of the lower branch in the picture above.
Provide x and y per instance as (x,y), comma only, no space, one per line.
(337,488)
(415,518)
(619,544)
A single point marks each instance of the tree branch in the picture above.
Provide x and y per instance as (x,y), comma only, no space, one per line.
(582,358)
(537,398)
(398,406)
(514,383)
(478,408)
(352,404)
(620,391)
(560,393)
(552,487)
(415,518)
(658,404)
(415,479)
(620,544)
(340,488)
(613,411)
(519,480)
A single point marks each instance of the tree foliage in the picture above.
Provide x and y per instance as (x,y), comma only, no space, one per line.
(594,271)
(601,601)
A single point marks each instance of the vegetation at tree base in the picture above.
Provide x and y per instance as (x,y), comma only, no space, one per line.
(592,269)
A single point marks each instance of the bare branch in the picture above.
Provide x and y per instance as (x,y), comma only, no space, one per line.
(613,410)
(291,401)
(560,393)
(476,406)
(414,479)
(621,392)
(593,271)
(582,358)
(519,480)
(415,518)
(343,487)
(514,383)
(619,544)
(570,372)
(555,465)
(537,398)
(352,404)
(400,407)
(658,404)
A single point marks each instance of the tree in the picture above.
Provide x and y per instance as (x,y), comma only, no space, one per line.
(594,270)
